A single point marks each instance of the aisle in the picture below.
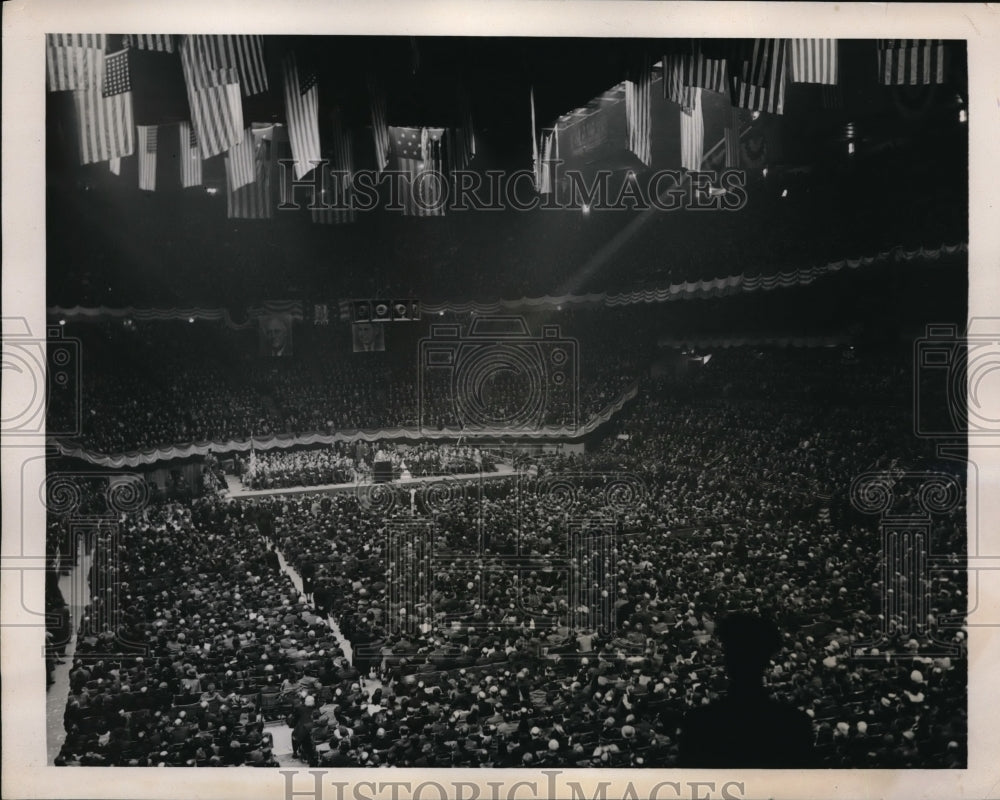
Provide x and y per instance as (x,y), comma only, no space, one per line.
(76,593)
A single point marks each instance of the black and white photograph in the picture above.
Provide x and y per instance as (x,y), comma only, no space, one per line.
(637,426)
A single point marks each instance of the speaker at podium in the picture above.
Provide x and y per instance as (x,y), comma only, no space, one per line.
(382,472)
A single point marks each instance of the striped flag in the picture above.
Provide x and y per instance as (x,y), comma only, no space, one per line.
(758,82)
(104,113)
(302,116)
(252,201)
(692,134)
(147,157)
(74,60)
(418,154)
(674,86)
(339,200)
(115,165)
(544,175)
(813,61)
(732,138)
(910,62)
(245,55)
(160,42)
(241,167)
(189,155)
(213,95)
(637,114)
(692,69)
(380,122)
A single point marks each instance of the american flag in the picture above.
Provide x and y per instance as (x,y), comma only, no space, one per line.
(115,165)
(245,55)
(147,157)
(380,124)
(339,208)
(692,133)
(241,166)
(732,138)
(252,201)
(302,116)
(675,86)
(418,155)
(160,42)
(213,95)
(74,60)
(189,155)
(910,62)
(637,114)
(104,113)
(813,61)
(544,173)
(759,80)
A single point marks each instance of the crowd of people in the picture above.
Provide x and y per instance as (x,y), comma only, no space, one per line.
(564,615)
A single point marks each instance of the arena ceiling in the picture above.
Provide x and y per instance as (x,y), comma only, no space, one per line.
(905,183)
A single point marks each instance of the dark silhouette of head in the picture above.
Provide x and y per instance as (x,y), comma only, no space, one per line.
(748,642)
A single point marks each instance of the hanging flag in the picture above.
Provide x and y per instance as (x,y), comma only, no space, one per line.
(692,134)
(252,201)
(380,125)
(245,55)
(732,138)
(674,85)
(758,81)
(74,60)
(637,113)
(340,197)
(241,164)
(104,113)
(465,134)
(813,60)
(302,116)
(418,155)
(147,157)
(115,165)
(160,42)
(213,95)
(535,165)
(910,62)
(189,156)
(543,176)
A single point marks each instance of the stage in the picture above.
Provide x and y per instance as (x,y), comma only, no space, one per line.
(236,488)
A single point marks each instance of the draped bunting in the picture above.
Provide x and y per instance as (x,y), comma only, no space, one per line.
(153,455)
(715,342)
(715,287)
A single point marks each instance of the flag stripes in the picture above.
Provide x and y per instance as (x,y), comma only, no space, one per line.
(214,97)
(302,116)
(759,81)
(115,165)
(813,60)
(74,60)
(693,133)
(104,114)
(637,114)
(418,154)
(147,157)
(674,86)
(241,166)
(160,42)
(340,198)
(252,201)
(544,173)
(245,55)
(189,156)
(380,124)
(701,72)
(910,62)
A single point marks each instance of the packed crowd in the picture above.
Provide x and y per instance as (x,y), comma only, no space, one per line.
(163,384)
(517,636)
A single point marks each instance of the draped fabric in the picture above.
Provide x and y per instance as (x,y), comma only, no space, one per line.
(284,441)
(714,287)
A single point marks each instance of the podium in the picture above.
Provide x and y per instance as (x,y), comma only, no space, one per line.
(382,472)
